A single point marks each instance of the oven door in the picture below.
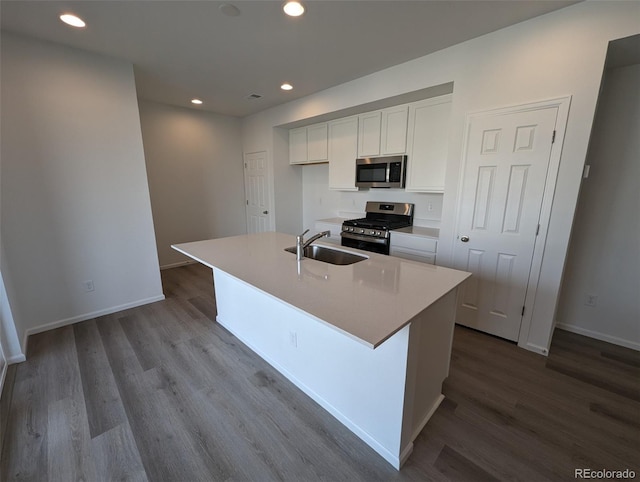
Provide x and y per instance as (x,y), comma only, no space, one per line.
(366,243)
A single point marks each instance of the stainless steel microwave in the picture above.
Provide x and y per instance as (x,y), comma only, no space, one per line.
(388,171)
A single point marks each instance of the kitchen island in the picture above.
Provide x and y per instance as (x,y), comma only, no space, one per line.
(370,342)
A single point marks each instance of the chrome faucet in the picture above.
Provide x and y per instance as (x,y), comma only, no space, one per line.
(301,244)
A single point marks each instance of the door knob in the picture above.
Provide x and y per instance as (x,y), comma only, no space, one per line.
(265,212)
(464,239)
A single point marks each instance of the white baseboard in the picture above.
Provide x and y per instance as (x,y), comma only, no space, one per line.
(540,350)
(426,418)
(599,336)
(178,264)
(86,316)
(404,455)
(16,359)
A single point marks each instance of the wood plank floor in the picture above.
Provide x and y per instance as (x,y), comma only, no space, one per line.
(163,393)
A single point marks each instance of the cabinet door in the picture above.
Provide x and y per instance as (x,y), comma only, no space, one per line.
(427,141)
(369,126)
(394,131)
(343,150)
(317,143)
(429,258)
(298,146)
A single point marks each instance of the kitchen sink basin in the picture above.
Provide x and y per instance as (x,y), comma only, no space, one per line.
(328,255)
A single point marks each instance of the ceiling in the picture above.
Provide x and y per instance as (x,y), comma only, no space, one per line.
(185,49)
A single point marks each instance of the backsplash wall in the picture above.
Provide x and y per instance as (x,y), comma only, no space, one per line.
(320,203)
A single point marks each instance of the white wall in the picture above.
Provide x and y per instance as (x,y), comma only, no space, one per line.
(604,255)
(75,200)
(551,56)
(320,202)
(195,170)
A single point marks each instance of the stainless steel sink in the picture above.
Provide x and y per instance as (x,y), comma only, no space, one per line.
(328,255)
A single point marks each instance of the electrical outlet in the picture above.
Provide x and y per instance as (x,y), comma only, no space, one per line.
(591,300)
(88,285)
(293,339)
(430,207)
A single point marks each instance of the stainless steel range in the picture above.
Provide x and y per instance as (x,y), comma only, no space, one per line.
(371,233)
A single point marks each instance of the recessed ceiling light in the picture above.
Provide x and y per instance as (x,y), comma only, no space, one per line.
(293,9)
(286,86)
(196,101)
(72,20)
(229,10)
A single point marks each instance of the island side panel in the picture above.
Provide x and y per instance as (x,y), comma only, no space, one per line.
(430,343)
(362,387)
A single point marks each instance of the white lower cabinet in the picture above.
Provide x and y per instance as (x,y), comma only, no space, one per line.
(343,151)
(413,247)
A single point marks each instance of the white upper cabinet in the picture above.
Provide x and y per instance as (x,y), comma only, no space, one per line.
(317,143)
(308,144)
(298,146)
(419,129)
(343,151)
(393,138)
(427,144)
(369,130)
(383,132)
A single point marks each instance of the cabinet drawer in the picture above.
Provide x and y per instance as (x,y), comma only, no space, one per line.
(418,243)
(405,253)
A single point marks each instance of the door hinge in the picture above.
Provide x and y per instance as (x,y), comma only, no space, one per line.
(523,311)
(245,164)
(538,230)
(553,137)
(247,202)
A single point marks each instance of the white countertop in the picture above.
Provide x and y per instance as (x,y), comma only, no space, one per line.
(419,231)
(332,220)
(370,300)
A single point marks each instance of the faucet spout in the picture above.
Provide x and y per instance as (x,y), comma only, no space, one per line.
(301,244)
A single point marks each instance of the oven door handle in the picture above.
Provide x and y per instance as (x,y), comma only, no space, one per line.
(367,239)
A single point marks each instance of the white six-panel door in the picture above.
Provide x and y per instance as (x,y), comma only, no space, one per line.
(256,188)
(506,162)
